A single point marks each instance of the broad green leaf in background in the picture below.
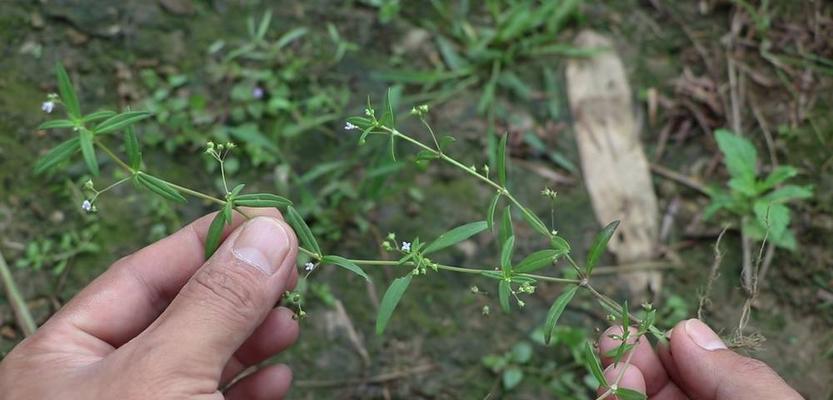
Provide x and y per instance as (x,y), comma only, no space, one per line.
(599,246)
(88,151)
(789,192)
(775,217)
(302,230)
(67,93)
(558,243)
(345,263)
(58,153)
(261,200)
(739,155)
(390,300)
(455,236)
(778,175)
(503,292)
(511,377)
(215,234)
(159,187)
(556,310)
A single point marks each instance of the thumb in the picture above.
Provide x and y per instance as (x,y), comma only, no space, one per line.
(706,369)
(228,297)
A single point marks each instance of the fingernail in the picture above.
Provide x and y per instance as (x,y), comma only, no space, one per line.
(703,336)
(263,244)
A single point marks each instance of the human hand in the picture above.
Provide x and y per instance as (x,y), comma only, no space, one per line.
(695,364)
(163,324)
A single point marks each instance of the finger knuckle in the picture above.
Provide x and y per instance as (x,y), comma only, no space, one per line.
(229,289)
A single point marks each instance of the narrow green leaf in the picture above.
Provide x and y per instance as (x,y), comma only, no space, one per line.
(506,228)
(501,159)
(535,222)
(506,255)
(302,229)
(262,200)
(537,260)
(98,115)
(215,234)
(504,291)
(227,210)
(455,236)
(237,189)
(739,155)
(159,187)
(593,365)
(629,394)
(56,123)
(67,93)
(58,153)
(490,215)
(345,263)
(132,148)
(388,116)
(492,274)
(558,243)
(393,147)
(390,300)
(88,151)
(556,310)
(599,246)
(119,121)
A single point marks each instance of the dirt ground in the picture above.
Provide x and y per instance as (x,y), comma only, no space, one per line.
(694,67)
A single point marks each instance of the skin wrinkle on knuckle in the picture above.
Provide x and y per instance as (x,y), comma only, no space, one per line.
(231,288)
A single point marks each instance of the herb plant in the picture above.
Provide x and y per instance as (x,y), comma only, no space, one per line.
(515,276)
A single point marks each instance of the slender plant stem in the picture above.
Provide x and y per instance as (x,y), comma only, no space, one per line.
(21,311)
(462,270)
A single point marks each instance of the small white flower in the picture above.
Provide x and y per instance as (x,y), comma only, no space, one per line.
(406,247)
(309,266)
(87,206)
(349,127)
(48,106)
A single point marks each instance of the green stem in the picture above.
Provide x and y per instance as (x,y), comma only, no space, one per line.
(18,303)
(461,270)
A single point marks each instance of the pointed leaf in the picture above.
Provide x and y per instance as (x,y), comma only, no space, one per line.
(120,121)
(88,151)
(537,260)
(67,93)
(506,255)
(739,155)
(388,116)
(56,123)
(599,246)
(262,200)
(455,236)
(159,187)
(237,189)
(789,192)
(593,365)
(778,175)
(501,159)
(504,290)
(490,215)
(132,148)
(345,263)
(58,153)
(390,300)
(215,234)
(302,229)
(558,243)
(556,310)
